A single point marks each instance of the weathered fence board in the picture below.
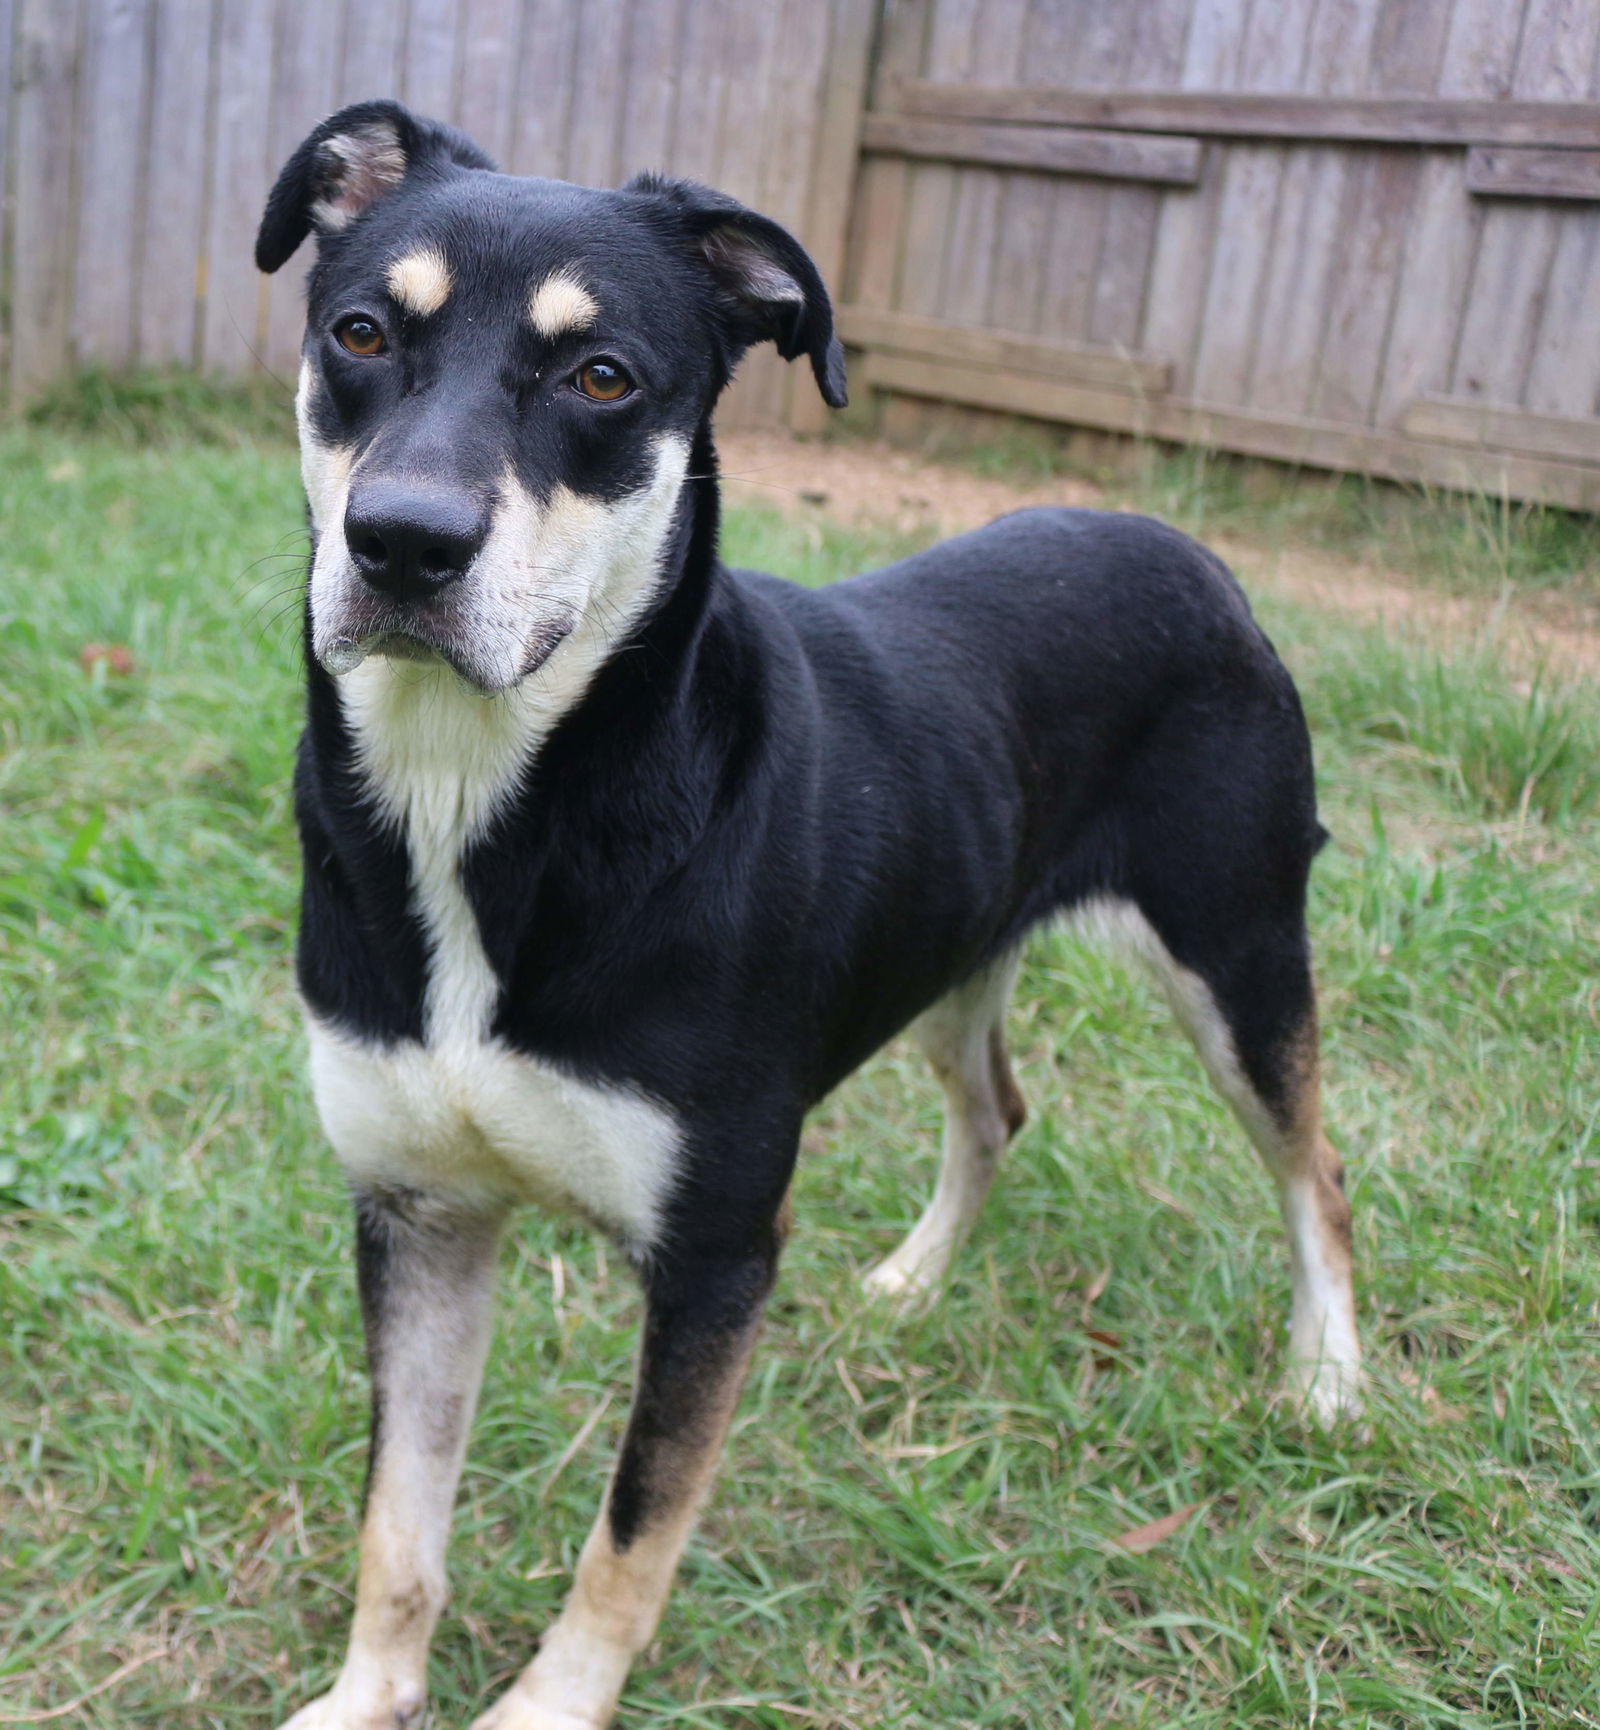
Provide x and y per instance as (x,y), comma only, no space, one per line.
(110,179)
(1395,205)
(142,136)
(1522,171)
(1062,149)
(1353,120)
(1339,231)
(44,197)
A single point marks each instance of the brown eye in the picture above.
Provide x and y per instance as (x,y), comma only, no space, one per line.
(603,381)
(360,336)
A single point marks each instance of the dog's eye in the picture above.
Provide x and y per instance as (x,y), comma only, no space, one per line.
(360,335)
(602,381)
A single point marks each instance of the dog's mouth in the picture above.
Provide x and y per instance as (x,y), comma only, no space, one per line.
(485,669)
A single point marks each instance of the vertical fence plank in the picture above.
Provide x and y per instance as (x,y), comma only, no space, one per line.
(877,220)
(427,80)
(305,91)
(743,62)
(599,72)
(1186,231)
(1154,61)
(110,180)
(1051,227)
(1299,270)
(371,64)
(793,70)
(931,191)
(44,188)
(696,138)
(833,170)
(545,78)
(1517,247)
(1409,44)
(1564,374)
(654,83)
(1082,46)
(8,37)
(233,308)
(1444,227)
(1272,57)
(486,74)
(176,170)
(993,51)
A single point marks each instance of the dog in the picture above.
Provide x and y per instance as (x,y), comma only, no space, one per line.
(616,861)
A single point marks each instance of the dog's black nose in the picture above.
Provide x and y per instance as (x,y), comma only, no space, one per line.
(409,542)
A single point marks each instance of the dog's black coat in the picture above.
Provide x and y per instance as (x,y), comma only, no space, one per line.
(783,822)
(780,823)
(788,820)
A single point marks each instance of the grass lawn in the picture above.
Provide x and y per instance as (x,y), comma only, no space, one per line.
(914,1525)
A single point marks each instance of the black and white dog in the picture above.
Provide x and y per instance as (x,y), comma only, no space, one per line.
(616,860)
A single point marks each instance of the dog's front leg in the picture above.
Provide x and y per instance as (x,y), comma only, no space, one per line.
(426,1269)
(700,1324)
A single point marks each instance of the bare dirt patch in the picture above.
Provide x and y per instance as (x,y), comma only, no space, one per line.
(866,485)
(863,484)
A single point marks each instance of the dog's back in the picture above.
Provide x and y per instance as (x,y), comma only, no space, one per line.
(976,738)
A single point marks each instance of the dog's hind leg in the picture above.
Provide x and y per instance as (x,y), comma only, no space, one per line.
(426,1271)
(1248,1003)
(704,1304)
(963,1037)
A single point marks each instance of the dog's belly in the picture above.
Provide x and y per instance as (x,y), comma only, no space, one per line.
(481,1122)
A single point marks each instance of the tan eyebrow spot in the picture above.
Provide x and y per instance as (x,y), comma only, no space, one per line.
(561,303)
(420,281)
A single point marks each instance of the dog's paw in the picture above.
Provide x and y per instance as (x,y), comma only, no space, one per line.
(1328,1395)
(383,1708)
(515,1710)
(904,1284)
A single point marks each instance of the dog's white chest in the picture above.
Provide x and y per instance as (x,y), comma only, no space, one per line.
(483,1122)
(458,1110)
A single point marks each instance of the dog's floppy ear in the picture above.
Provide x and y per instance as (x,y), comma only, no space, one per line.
(353,159)
(769,289)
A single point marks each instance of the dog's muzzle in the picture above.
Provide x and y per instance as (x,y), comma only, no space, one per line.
(408,590)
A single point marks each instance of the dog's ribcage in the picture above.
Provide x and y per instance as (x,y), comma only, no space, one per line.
(460,1111)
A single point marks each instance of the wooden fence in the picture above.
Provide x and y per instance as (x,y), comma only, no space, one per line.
(1361,234)
(1354,233)
(144,134)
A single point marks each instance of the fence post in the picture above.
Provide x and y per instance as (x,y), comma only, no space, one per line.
(852,30)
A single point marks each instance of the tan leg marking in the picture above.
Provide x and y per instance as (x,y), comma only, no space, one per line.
(428,1355)
(617,1596)
(964,1038)
(1324,1373)
(1324,1347)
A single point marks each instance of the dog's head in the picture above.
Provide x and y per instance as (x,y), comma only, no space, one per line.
(501,380)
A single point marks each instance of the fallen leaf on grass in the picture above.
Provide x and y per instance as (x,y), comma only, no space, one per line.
(117,657)
(1143,1538)
(1106,1360)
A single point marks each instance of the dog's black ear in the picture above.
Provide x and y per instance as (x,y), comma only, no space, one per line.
(352,159)
(768,286)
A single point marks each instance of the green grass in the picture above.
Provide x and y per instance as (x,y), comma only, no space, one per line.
(913,1525)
